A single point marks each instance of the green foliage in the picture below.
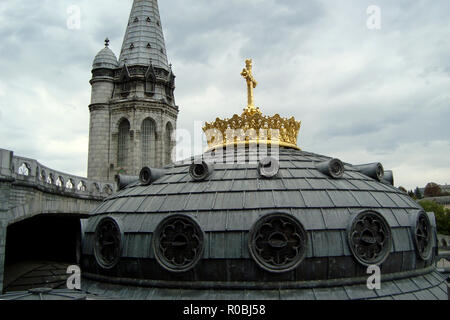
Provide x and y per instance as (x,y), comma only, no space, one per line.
(442,215)
(417,193)
(429,206)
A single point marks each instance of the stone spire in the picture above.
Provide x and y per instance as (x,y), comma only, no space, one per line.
(144,39)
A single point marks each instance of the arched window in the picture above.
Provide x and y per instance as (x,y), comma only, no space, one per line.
(150,77)
(123,143)
(126,87)
(69,184)
(124,83)
(59,182)
(168,143)
(150,85)
(42,176)
(81,186)
(148,138)
(50,179)
(24,169)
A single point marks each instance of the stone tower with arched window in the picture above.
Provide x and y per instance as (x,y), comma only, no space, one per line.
(133,113)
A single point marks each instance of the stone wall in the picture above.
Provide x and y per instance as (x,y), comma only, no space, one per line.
(136,113)
(112,102)
(99,143)
(28,188)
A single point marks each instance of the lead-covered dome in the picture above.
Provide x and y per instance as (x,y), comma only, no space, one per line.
(105,59)
(291,222)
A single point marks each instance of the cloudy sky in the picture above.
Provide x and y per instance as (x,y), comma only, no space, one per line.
(362,94)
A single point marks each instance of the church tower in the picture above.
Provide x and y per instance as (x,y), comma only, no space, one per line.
(133,113)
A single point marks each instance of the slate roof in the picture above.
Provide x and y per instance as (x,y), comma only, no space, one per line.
(431,286)
(105,59)
(317,200)
(232,199)
(144,39)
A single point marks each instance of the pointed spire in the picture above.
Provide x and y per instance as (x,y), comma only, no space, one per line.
(144,39)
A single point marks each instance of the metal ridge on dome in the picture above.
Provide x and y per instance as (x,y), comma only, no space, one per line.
(252,127)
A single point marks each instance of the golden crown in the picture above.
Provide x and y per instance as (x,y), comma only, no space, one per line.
(252,126)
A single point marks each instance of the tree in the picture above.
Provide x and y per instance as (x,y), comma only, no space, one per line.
(432,190)
(442,215)
(417,193)
(411,194)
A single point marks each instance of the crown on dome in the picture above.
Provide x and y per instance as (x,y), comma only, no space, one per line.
(252,127)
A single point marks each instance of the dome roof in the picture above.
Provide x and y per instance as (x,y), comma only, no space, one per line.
(105,59)
(299,184)
(283,222)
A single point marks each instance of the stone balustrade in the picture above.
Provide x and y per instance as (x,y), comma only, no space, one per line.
(30,173)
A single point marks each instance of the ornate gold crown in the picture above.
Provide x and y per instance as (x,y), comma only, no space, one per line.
(252,126)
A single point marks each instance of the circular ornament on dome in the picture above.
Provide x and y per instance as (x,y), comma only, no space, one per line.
(336,168)
(278,242)
(178,243)
(268,167)
(108,243)
(200,171)
(145,176)
(423,236)
(333,168)
(379,172)
(369,238)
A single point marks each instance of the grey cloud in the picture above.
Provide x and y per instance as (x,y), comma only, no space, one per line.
(213,26)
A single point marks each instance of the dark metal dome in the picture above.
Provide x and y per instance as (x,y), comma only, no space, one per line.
(105,59)
(294,222)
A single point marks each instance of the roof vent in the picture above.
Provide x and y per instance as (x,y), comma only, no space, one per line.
(150,175)
(389,177)
(373,170)
(123,181)
(201,171)
(268,167)
(333,168)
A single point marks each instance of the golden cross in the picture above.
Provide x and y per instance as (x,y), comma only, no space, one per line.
(251,83)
